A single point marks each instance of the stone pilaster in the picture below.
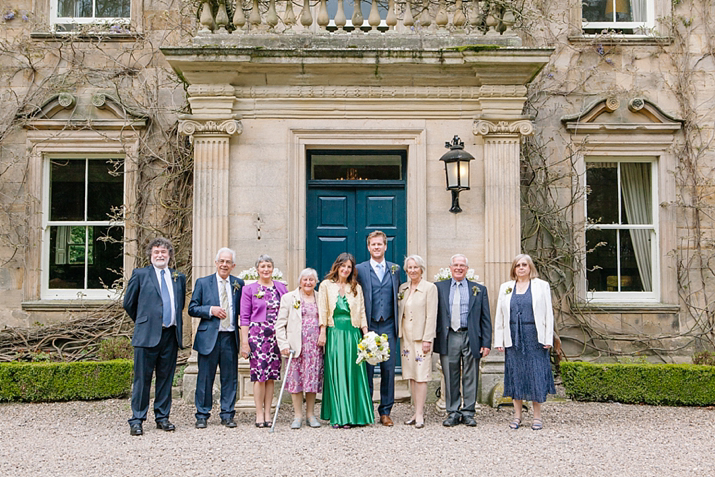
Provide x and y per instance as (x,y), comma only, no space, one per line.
(211,189)
(502,197)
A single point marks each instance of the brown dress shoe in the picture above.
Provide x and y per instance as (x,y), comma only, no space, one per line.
(386,421)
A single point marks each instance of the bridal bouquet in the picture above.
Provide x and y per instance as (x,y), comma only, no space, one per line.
(373,348)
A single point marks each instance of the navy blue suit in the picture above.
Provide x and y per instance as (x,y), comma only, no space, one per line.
(382,324)
(216,349)
(155,347)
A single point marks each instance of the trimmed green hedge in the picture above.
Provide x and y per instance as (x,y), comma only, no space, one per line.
(659,384)
(41,382)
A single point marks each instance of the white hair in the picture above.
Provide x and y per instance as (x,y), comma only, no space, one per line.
(419,261)
(264,258)
(458,255)
(308,272)
(226,249)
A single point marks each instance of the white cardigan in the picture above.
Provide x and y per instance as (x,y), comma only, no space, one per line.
(543,313)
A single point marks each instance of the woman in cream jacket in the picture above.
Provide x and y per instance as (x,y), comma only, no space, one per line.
(417,312)
(298,329)
(346,394)
(524,328)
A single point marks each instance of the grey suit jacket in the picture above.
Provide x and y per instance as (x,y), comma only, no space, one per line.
(479,321)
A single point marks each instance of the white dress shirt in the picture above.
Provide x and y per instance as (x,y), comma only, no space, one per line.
(170,287)
(229,309)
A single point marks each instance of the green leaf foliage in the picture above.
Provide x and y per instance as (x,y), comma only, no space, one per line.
(43,382)
(656,384)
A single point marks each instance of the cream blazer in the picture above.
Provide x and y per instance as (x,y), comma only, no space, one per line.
(423,319)
(329,292)
(289,324)
(543,313)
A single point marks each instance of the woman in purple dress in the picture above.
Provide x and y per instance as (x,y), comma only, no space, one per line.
(298,329)
(259,309)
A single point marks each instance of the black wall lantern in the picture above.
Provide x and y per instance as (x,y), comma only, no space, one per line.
(456,166)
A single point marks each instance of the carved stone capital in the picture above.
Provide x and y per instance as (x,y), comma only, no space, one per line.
(523,127)
(191,127)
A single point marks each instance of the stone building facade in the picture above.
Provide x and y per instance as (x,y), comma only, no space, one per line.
(307,133)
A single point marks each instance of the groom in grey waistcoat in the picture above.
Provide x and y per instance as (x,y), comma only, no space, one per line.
(380,281)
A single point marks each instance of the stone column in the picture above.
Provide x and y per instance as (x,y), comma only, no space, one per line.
(502,197)
(502,221)
(211,206)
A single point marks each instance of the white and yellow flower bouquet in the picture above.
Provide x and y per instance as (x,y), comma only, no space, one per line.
(373,348)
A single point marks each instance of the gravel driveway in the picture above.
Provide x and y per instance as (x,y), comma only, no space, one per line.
(579,439)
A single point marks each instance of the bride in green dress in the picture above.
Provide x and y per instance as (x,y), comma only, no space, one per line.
(346,394)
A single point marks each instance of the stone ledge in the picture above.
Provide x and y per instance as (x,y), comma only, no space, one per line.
(625,40)
(65,305)
(627,308)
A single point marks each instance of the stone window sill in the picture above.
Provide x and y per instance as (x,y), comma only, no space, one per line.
(103,36)
(66,305)
(626,40)
(631,308)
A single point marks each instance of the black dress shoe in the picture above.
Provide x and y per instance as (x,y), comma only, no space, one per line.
(200,423)
(165,425)
(451,421)
(469,421)
(136,430)
(228,422)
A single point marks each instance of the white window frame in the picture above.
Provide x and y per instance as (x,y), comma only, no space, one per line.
(74,293)
(56,20)
(614,25)
(619,296)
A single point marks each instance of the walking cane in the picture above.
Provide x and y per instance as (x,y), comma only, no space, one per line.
(283,386)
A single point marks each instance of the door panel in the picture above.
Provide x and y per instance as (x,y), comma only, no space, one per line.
(330,224)
(382,209)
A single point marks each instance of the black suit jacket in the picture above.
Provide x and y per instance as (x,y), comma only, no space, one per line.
(204,297)
(363,279)
(142,301)
(479,321)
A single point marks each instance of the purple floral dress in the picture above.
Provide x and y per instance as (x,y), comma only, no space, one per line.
(306,371)
(265,358)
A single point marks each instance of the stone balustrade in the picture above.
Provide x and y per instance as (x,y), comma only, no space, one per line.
(386,17)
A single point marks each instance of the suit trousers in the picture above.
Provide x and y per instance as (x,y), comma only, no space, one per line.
(162,359)
(225,356)
(387,368)
(459,362)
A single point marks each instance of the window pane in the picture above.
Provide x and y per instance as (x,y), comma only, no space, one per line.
(602,200)
(67,189)
(67,253)
(113,8)
(601,260)
(105,189)
(613,10)
(106,254)
(636,189)
(74,8)
(630,275)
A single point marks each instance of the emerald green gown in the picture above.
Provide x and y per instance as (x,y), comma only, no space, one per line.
(346,394)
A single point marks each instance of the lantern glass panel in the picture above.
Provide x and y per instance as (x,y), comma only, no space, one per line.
(464,174)
(452,174)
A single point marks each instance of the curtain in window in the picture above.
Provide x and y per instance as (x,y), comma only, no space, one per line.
(639,9)
(61,241)
(636,189)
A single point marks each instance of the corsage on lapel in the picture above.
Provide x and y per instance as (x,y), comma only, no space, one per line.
(236,286)
(259,294)
(401,295)
(394,268)
(475,290)
(296,305)
(508,291)
(175,275)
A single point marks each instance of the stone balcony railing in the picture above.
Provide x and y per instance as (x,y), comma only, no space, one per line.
(489,21)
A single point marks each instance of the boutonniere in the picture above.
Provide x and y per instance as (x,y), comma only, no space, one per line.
(508,290)
(175,275)
(259,294)
(401,295)
(394,268)
(236,286)
(296,305)
(475,290)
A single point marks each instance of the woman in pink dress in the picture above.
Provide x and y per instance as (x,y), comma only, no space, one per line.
(298,329)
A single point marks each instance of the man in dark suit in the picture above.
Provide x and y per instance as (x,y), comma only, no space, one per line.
(464,335)
(380,280)
(154,300)
(216,300)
